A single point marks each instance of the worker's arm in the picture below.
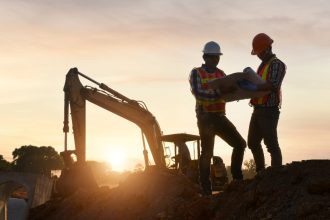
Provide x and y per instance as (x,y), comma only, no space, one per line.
(247,85)
(276,74)
(274,81)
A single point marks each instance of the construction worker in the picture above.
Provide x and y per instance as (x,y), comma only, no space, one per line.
(211,119)
(265,116)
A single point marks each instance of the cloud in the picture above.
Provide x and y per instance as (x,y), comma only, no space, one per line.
(68,24)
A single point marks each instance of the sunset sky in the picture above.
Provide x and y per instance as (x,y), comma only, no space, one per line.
(145,50)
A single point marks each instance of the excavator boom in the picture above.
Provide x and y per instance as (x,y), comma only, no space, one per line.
(76,96)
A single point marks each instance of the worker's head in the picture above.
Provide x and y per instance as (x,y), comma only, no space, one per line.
(261,45)
(212,53)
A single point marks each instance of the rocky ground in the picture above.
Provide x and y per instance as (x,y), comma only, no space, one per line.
(300,190)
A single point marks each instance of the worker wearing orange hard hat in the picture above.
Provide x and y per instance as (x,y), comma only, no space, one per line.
(260,43)
(265,116)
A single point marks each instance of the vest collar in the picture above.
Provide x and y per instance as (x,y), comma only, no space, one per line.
(268,59)
(207,69)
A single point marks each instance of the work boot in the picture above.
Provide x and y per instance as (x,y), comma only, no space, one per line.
(236,162)
(259,158)
(276,157)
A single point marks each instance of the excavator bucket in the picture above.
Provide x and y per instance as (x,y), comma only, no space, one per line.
(78,176)
(75,175)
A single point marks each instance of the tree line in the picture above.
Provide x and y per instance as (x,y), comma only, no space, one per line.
(33,159)
(44,159)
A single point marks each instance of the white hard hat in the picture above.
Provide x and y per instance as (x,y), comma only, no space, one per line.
(212,48)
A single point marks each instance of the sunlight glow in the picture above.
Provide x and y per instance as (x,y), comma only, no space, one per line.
(117,160)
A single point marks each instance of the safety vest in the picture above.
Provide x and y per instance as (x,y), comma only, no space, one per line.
(264,74)
(208,105)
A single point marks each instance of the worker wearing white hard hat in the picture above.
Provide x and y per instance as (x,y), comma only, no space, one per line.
(212,48)
(211,119)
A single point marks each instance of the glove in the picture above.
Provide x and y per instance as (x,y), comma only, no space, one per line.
(247,85)
(248,70)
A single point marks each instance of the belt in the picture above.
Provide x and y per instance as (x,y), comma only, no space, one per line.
(212,114)
(265,107)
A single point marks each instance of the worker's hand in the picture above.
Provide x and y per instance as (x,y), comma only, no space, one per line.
(247,85)
(248,70)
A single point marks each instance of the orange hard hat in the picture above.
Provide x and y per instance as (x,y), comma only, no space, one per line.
(260,43)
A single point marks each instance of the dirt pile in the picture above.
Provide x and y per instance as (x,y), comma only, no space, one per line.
(300,190)
(147,195)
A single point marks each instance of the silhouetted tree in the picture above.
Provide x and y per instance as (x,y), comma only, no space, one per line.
(250,165)
(4,164)
(138,167)
(250,169)
(36,159)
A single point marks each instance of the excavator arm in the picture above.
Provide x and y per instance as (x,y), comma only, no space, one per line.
(76,96)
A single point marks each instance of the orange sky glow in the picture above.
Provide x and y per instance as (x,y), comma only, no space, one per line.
(145,50)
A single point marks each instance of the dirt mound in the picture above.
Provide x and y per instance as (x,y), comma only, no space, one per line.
(147,195)
(300,190)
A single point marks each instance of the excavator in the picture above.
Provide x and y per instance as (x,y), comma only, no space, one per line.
(76,173)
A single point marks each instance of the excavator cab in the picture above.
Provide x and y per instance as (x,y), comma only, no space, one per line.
(181,160)
(183,163)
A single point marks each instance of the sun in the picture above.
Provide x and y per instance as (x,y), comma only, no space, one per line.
(116,159)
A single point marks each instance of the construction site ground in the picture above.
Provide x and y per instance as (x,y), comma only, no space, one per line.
(299,190)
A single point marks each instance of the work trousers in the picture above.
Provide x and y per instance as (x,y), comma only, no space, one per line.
(209,125)
(263,126)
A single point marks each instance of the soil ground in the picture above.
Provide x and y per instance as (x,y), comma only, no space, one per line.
(300,190)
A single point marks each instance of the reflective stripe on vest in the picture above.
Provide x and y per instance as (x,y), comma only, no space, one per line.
(217,105)
(264,74)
